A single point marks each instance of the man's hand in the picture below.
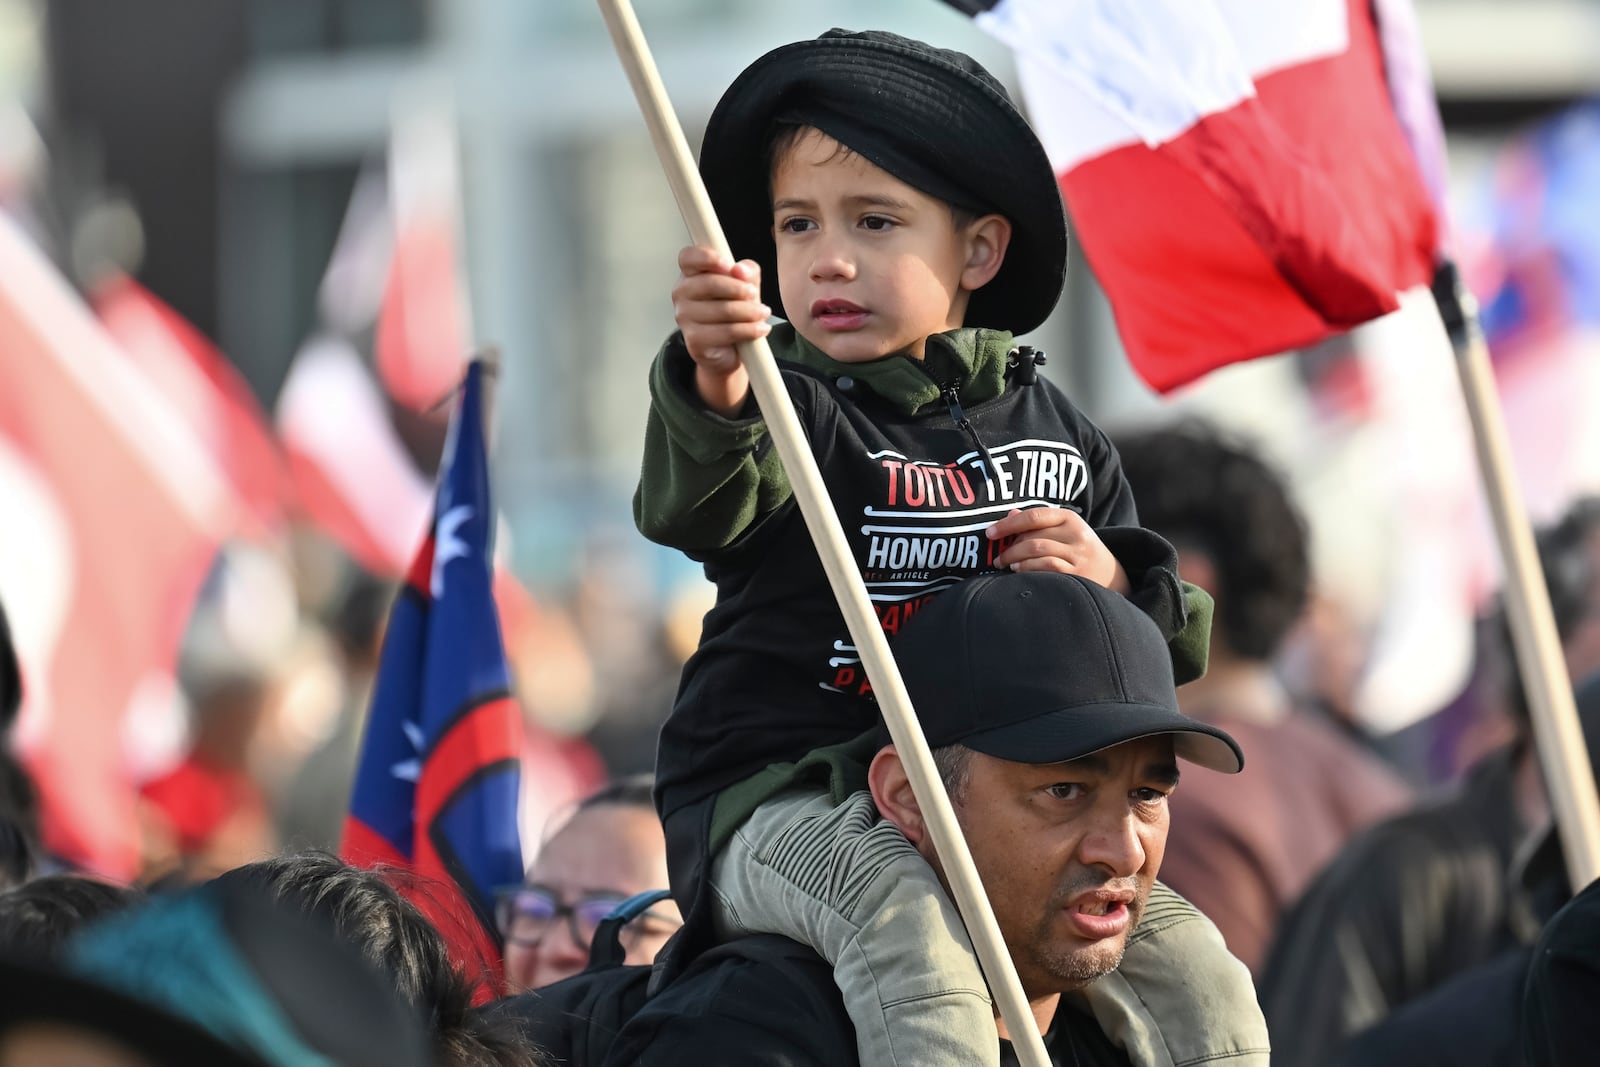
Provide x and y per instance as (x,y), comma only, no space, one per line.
(717,304)
(1057,539)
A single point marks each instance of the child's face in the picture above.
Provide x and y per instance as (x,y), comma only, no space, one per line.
(867,265)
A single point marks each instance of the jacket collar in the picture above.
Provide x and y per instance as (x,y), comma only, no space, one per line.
(971,359)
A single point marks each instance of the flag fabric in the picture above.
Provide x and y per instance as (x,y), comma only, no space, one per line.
(423,322)
(436,788)
(205,388)
(353,478)
(113,511)
(1236,170)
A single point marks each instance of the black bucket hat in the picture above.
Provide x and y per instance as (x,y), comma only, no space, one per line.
(932,117)
(1044,668)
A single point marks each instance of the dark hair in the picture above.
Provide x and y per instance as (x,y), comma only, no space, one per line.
(1569,576)
(16,854)
(10,676)
(369,912)
(19,822)
(359,615)
(1569,564)
(38,917)
(1202,491)
(633,791)
(955,768)
(785,135)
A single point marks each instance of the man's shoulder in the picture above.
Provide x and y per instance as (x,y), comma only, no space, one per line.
(760,1000)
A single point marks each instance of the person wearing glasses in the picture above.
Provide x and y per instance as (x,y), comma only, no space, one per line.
(609,850)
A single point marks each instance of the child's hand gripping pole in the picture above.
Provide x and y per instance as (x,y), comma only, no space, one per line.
(695,206)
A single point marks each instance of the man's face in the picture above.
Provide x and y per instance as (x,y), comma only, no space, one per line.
(867,265)
(1067,853)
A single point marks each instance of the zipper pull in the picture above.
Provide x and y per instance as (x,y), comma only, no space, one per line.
(952,400)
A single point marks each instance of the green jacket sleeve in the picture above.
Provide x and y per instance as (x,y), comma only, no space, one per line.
(1191,646)
(1181,610)
(706,479)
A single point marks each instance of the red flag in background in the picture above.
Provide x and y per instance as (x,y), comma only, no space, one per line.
(112,510)
(394,270)
(423,326)
(208,390)
(1235,169)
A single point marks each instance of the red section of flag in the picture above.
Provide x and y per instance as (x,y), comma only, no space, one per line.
(420,335)
(205,388)
(1261,228)
(362,847)
(324,504)
(421,572)
(487,735)
(112,515)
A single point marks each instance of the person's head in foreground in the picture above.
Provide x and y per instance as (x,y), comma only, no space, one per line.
(217,976)
(612,848)
(1049,703)
(40,916)
(369,913)
(878,191)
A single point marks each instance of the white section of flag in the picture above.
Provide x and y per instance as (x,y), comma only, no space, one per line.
(153,430)
(330,411)
(1101,74)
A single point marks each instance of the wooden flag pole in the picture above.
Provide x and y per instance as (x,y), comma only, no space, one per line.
(817,507)
(1563,756)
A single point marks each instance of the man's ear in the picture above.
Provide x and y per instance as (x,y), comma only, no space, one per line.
(891,790)
(987,241)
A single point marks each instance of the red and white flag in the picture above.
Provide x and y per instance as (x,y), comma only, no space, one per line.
(424,325)
(205,388)
(394,270)
(113,509)
(352,475)
(1236,169)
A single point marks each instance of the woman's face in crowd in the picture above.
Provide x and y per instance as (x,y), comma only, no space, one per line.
(604,854)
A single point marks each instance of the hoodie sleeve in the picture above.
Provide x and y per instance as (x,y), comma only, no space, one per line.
(706,480)
(1181,609)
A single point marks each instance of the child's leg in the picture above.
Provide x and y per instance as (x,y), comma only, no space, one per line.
(847,883)
(1179,996)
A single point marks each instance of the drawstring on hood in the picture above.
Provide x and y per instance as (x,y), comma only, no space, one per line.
(1023,363)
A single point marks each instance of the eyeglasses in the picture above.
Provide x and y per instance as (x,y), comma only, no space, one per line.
(525,915)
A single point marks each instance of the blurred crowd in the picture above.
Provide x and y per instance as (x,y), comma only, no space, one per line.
(258,747)
(1389,893)
(1385,890)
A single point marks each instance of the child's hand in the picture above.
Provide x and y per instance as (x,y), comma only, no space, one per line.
(1057,539)
(717,304)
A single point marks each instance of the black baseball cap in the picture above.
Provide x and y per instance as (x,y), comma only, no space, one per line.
(1039,667)
(932,117)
